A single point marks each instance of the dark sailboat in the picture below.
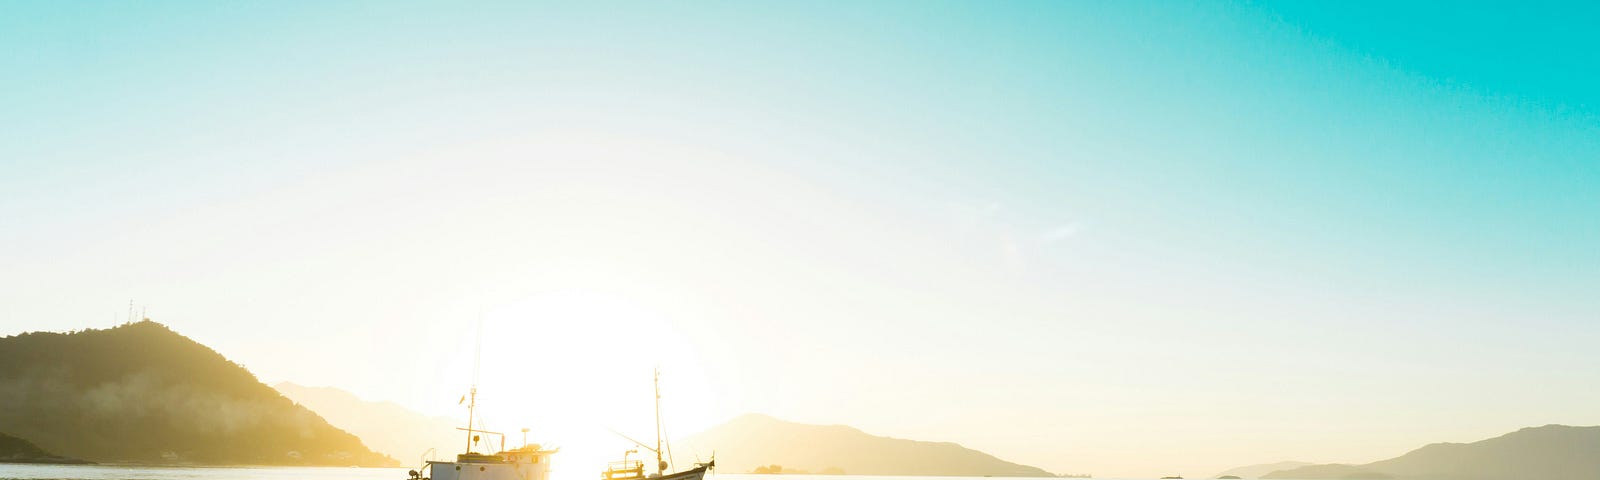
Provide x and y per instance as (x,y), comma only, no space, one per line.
(634,469)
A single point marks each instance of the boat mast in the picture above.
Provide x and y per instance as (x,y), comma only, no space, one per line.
(477,364)
(470,407)
(660,465)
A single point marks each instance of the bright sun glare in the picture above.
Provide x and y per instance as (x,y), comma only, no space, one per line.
(571,366)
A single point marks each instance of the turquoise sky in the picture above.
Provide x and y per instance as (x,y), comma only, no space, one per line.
(1140,238)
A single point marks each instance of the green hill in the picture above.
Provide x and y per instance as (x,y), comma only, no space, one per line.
(1551,452)
(754,441)
(141,393)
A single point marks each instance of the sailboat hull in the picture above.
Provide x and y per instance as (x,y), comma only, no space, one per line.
(696,473)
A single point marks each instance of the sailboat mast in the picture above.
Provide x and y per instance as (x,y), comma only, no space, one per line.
(477,364)
(660,465)
(470,408)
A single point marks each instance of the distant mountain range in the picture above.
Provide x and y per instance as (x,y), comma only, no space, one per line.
(385,426)
(141,393)
(1257,471)
(1551,452)
(751,443)
(754,441)
(1328,471)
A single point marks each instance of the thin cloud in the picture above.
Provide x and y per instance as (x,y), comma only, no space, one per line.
(1062,233)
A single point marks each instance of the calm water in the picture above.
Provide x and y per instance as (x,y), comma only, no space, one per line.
(100,472)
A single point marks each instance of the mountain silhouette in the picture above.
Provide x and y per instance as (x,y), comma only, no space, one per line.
(141,393)
(385,426)
(1256,471)
(1551,452)
(758,441)
(1329,471)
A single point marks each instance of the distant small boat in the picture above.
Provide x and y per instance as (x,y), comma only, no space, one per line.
(1178,477)
(634,469)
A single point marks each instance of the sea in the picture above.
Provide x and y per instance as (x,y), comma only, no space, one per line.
(108,472)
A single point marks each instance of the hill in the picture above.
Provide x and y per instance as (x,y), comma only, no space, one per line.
(1329,471)
(385,426)
(1551,452)
(16,450)
(1256,471)
(753,441)
(141,393)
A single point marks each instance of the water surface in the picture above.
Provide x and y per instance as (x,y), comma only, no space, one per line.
(108,472)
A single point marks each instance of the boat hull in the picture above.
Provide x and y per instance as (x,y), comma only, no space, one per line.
(696,473)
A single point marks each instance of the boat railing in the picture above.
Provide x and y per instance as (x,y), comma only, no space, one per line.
(624,469)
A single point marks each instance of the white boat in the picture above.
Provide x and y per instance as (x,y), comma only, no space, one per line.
(529,462)
(634,469)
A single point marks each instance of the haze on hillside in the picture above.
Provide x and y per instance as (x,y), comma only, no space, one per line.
(1128,238)
(1257,471)
(143,394)
(1551,452)
(386,427)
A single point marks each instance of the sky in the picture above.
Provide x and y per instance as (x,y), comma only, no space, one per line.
(1121,238)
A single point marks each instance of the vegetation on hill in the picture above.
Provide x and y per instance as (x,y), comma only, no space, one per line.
(16,450)
(141,393)
(755,441)
(1551,452)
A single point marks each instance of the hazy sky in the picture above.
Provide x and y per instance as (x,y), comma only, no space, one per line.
(1124,238)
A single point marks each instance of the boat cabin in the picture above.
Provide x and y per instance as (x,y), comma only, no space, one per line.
(530,462)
